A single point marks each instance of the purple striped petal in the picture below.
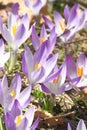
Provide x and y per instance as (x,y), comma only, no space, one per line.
(9,121)
(81,125)
(35,39)
(66,12)
(24,97)
(48,22)
(71,67)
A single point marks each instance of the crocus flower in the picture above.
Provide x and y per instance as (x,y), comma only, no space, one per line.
(54,84)
(3,56)
(37,41)
(81,126)
(77,72)
(38,66)
(64,27)
(17,31)
(9,94)
(35,5)
(16,120)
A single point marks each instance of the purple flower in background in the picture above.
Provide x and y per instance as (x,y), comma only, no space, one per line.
(66,27)
(50,39)
(37,67)
(16,120)
(9,94)
(81,126)
(17,31)
(54,83)
(3,56)
(77,72)
(35,5)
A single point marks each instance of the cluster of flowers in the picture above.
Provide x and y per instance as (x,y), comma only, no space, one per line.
(40,67)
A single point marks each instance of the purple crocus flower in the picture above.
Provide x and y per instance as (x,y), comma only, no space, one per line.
(81,126)
(16,120)
(3,57)
(77,72)
(9,94)
(71,23)
(37,67)
(37,41)
(54,84)
(17,31)
(35,5)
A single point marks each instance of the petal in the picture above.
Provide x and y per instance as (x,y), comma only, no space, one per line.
(2,48)
(74,82)
(16,109)
(35,124)
(81,60)
(1,95)
(48,22)
(7,35)
(71,67)
(16,84)
(15,8)
(4,58)
(20,32)
(12,20)
(45,88)
(24,97)
(25,21)
(9,121)
(43,33)
(37,76)
(81,125)
(4,85)
(30,115)
(66,12)
(50,64)
(28,59)
(23,125)
(73,17)
(35,39)
(57,17)
(69,127)
(41,54)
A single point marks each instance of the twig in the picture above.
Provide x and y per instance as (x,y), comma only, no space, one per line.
(60,44)
(59,116)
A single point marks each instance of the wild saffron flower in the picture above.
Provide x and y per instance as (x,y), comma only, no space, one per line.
(81,126)
(9,94)
(54,83)
(77,72)
(37,41)
(3,57)
(73,21)
(35,5)
(17,31)
(37,67)
(16,120)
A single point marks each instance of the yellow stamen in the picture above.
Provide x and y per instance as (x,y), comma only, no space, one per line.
(18,119)
(33,1)
(62,25)
(37,66)
(56,79)
(78,11)
(12,93)
(42,40)
(14,29)
(80,71)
